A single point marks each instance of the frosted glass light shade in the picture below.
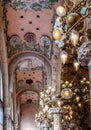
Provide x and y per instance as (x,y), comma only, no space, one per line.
(61,11)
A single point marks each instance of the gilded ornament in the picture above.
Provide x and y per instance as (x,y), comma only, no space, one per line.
(57,34)
(72,19)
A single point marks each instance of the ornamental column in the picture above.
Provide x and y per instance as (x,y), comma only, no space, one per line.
(55,111)
(56,69)
(84,57)
(7,121)
(4,66)
(56,122)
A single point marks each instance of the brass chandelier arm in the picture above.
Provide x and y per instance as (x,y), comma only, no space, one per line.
(65,2)
(80,20)
(73,8)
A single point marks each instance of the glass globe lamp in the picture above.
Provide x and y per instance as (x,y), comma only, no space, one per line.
(61,11)
(74,37)
(63,56)
(57,34)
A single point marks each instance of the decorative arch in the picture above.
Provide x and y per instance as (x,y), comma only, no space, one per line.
(27,55)
(21,91)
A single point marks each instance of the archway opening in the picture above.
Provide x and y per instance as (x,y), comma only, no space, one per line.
(28,109)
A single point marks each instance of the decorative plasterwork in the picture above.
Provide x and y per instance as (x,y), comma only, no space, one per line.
(31,4)
(15,45)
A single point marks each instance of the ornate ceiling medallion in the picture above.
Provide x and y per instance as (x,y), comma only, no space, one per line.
(29,37)
(67,93)
(31,4)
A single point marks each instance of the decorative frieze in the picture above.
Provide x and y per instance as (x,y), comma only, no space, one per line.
(31,4)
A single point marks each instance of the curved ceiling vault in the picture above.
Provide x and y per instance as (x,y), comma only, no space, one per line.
(28,32)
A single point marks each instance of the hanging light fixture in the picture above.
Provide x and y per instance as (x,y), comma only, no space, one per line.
(74,37)
(61,11)
(68,28)
(63,56)
(71,19)
(57,34)
(76,65)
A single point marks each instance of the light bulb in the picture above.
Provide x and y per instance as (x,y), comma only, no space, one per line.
(50,87)
(41,94)
(70,85)
(77,98)
(63,56)
(38,124)
(58,19)
(87,82)
(79,104)
(53,89)
(84,79)
(66,93)
(57,34)
(45,121)
(48,91)
(71,112)
(46,107)
(82,82)
(49,116)
(60,11)
(44,110)
(74,37)
(67,82)
(59,103)
(63,85)
(76,65)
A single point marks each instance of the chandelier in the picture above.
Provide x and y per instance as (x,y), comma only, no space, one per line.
(68,33)
(69,26)
(69,104)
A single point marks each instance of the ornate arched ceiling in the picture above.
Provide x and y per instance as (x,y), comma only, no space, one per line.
(28,30)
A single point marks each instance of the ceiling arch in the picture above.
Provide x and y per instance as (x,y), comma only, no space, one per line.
(19,93)
(27,55)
